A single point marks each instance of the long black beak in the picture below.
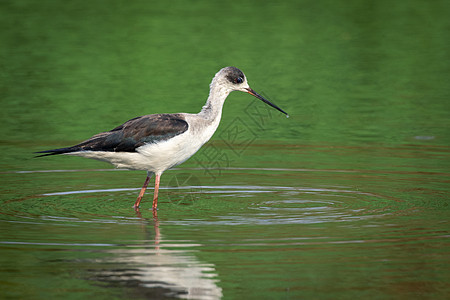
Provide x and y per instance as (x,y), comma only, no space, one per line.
(252,92)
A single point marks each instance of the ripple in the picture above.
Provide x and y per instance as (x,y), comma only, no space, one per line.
(252,204)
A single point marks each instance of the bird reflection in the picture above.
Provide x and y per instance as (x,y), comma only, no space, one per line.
(155,270)
(155,225)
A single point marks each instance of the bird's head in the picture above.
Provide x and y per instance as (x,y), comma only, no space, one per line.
(233,79)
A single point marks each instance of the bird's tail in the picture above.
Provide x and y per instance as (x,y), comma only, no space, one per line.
(58,151)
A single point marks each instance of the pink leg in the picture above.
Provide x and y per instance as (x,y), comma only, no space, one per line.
(141,194)
(155,196)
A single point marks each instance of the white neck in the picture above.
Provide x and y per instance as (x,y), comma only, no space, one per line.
(212,110)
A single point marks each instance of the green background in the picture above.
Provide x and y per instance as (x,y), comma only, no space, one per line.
(346,198)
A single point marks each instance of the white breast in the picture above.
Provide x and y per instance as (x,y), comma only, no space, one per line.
(170,153)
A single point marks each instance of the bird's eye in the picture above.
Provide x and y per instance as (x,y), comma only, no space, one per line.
(239,80)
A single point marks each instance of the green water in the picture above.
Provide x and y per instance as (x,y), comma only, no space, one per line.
(348,198)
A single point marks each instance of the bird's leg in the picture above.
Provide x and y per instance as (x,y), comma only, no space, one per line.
(141,194)
(155,195)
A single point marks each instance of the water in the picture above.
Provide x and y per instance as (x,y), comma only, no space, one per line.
(348,198)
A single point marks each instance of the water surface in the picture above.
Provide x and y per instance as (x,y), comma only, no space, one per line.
(348,198)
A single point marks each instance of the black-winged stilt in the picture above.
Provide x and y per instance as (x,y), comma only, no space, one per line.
(155,143)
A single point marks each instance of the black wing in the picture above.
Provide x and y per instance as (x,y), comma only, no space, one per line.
(131,135)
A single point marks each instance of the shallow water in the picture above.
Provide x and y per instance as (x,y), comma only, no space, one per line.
(348,198)
(278,233)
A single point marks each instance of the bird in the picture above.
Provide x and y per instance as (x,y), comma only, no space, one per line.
(158,142)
